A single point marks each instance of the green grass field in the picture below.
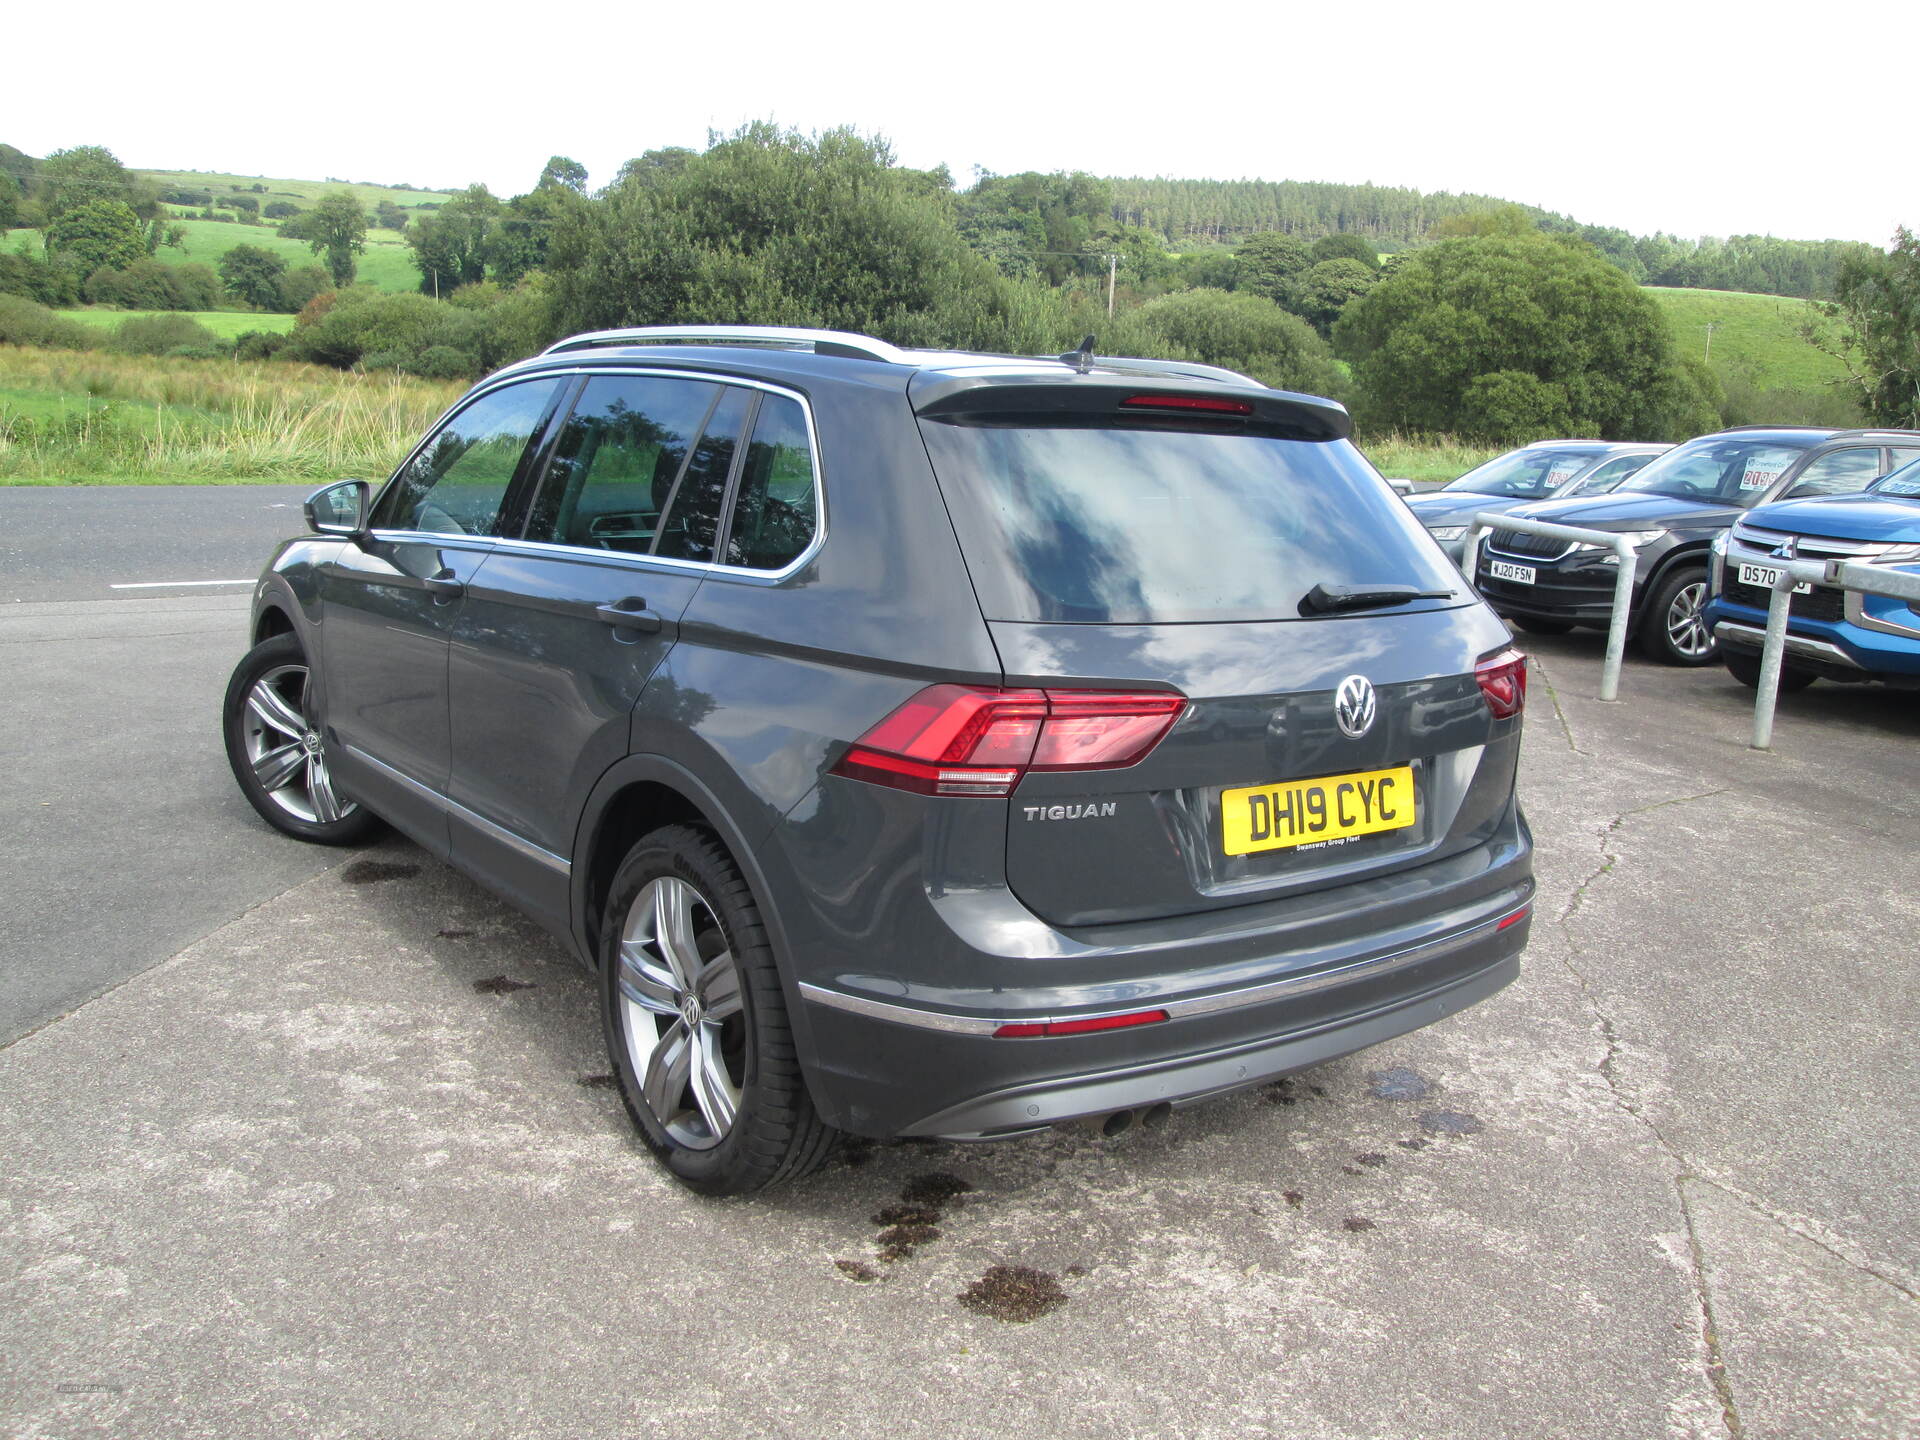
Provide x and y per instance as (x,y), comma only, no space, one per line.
(1757,331)
(224,323)
(301,192)
(386,265)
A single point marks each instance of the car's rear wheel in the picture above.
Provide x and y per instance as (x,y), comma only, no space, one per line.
(696,1021)
(1746,669)
(1542,627)
(1674,628)
(274,747)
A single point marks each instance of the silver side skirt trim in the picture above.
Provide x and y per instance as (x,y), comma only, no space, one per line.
(949,1023)
(559,864)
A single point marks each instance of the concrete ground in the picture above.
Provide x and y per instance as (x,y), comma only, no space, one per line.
(328,1172)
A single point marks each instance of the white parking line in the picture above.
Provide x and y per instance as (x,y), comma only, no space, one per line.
(173,584)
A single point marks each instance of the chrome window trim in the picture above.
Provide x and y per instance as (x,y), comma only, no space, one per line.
(951,1023)
(557,550)
(539,854)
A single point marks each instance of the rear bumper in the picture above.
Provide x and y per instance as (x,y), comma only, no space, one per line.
(902,1069)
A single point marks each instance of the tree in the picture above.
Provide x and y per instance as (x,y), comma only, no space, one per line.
(1346,247)
(335,228)
(279,210)
(253,276)
(1877,304)
(450,246)
(565,172)
(1240,331)
(87,174)
(9,201)
(97,235)
(1265,264)
(387,215)
(299,287)
(1324,290)
(1501,337)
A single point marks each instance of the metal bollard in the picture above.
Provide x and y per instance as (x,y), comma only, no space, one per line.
(1606,540)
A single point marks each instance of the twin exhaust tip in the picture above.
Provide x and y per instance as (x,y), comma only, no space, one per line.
(1152,1117)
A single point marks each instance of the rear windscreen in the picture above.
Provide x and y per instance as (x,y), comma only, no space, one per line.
(1144,526)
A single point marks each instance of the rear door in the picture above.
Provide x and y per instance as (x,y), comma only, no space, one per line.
(564,625)
(1323,742)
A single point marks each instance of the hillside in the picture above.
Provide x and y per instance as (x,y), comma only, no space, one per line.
(1760,333)
(386,265)
(302,192)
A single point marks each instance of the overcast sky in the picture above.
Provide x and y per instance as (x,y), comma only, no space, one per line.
(1694,118)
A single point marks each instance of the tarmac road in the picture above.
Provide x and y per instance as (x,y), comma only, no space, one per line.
(122,836)
(346,1165)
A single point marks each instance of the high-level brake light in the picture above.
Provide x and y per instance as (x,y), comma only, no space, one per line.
(1207,403)
(1503,680)
(970,740)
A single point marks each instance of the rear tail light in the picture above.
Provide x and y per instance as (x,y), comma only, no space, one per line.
(969,740)
(1503,680)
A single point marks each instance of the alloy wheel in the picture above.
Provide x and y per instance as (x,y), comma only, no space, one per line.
(684,1022)
(283,746)
(1686,620)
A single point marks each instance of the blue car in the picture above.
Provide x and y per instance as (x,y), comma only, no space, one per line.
(1831,634)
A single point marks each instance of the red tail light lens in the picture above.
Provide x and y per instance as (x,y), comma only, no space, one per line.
(968,740)
(1503,680)
(1205,403)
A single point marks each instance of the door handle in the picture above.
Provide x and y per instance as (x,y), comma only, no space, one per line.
(630,614)
(444,586)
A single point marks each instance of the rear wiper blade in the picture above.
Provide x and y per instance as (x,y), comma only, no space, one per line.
(1325,599)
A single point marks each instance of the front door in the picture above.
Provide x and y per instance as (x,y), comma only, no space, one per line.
(388,605)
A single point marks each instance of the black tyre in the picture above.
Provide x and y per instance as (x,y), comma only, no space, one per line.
(1673,628)
(1542,627)
(273,744)
(697,1024)
(1745,667)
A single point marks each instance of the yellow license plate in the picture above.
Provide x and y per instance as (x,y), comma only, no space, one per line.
(1293,813)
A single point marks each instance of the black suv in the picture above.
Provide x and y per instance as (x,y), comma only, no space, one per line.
(1672,511)
(912,743)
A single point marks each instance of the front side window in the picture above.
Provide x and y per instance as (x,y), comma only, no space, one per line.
(457,482)
(1844,472)
(773,518)
(616,460)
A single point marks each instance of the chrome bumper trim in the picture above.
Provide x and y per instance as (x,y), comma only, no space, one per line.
(1756,638)
(950,1023)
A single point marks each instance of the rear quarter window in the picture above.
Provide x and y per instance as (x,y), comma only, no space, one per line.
(1154,526)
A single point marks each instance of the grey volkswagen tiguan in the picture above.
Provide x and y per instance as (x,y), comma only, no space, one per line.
(912,743)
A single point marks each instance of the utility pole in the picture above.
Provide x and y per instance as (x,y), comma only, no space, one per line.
(1113,269)
(1712,325)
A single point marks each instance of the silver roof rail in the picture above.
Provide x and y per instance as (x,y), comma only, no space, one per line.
(822,342)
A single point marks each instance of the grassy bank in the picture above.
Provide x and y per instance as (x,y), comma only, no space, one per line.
(387,263)
(69,417)
(1426,457)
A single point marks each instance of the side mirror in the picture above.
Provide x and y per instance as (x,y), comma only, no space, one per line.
(340,508)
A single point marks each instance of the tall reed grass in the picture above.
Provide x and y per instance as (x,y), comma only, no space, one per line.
(77,416)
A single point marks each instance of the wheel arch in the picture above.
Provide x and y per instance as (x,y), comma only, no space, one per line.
(271,621)
(1692,552)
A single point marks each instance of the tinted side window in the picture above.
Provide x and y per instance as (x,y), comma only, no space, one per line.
(456,483)
(1841,473)
(616,459)
(774,517)
(693,516)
